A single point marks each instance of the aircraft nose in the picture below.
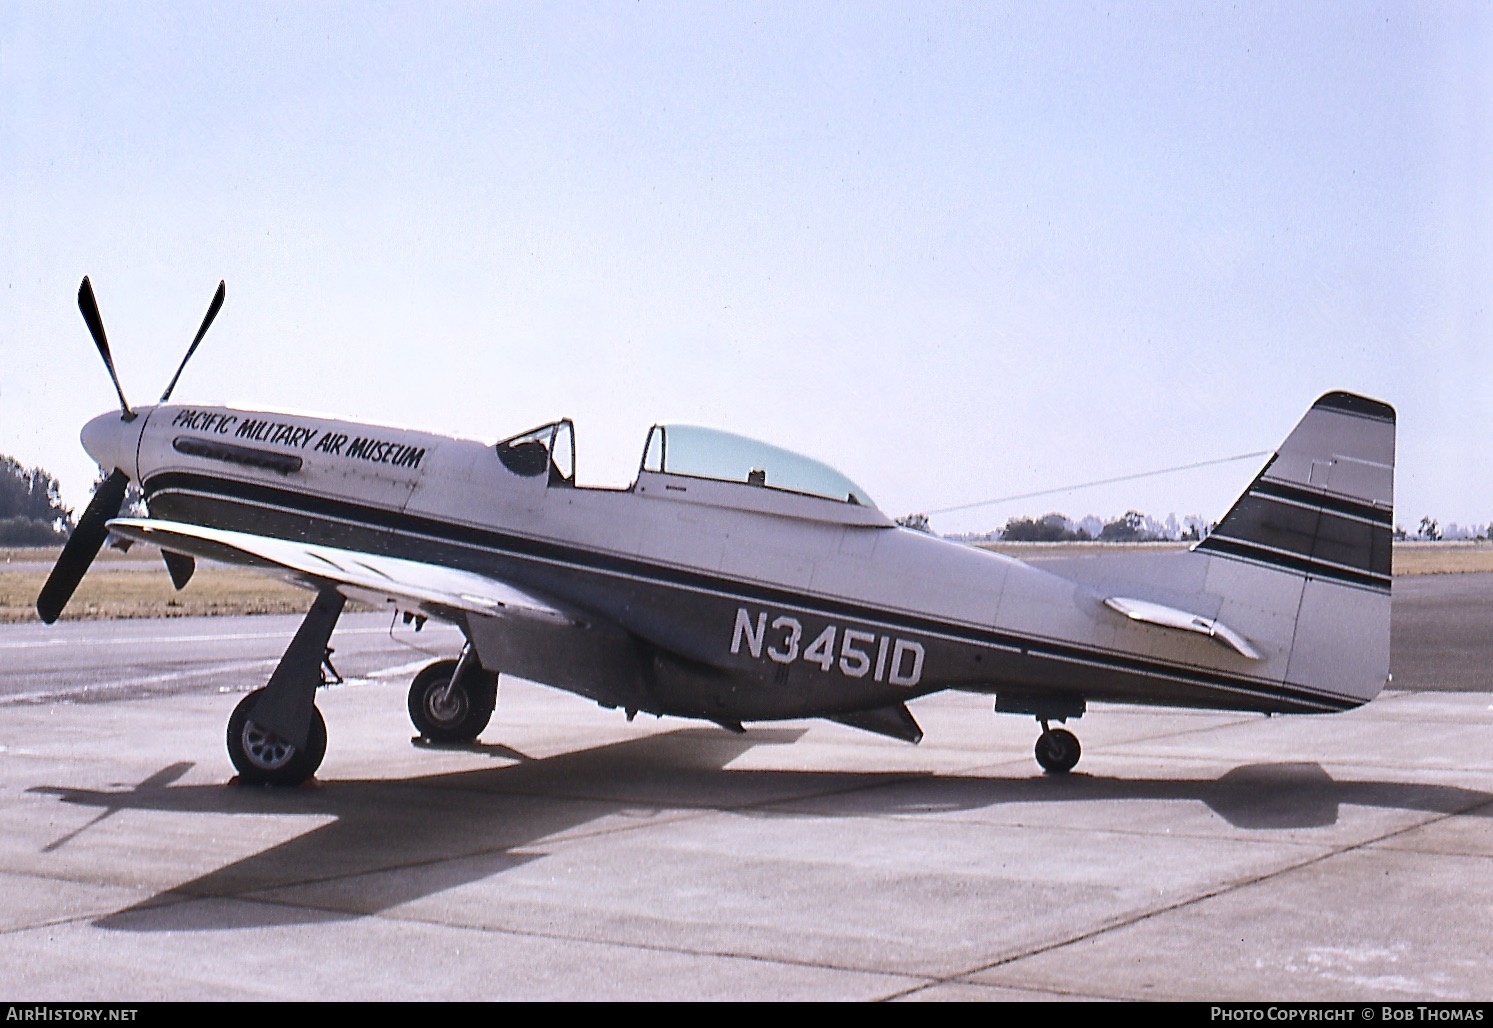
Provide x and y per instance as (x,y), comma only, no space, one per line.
(111,440)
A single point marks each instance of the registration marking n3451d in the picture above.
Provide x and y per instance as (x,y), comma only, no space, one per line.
(886,659)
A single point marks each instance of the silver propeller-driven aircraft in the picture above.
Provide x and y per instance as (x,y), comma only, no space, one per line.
(734,581)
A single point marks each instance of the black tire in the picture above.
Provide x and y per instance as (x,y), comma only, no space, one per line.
(1058,751)
(463,715)
(263,758)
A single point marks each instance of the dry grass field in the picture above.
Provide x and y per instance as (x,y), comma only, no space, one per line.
(135,585)
(1442,558)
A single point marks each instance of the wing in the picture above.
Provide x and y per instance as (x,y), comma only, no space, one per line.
(409,585)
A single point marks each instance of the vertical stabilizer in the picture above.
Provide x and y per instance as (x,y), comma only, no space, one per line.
(1323,511)
(1324,505)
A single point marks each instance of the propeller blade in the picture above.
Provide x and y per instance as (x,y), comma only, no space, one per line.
(180,566)
(212,312)
(89,306)
(82,546)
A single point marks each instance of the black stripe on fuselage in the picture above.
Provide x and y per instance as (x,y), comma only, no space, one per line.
(372,529)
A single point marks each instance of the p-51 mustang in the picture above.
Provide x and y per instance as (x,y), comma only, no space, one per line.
(736,582)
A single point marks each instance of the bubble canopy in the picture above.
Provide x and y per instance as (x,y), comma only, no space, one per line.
(724,457)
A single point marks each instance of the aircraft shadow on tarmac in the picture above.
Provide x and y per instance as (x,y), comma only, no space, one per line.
(394,841)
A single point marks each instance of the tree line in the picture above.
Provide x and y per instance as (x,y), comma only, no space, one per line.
(1130,527)
(1431,531)
(31,510)
(1135,527)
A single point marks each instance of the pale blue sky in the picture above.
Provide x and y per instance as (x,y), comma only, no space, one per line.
(957,250)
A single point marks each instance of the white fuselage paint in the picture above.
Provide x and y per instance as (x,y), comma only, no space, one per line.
(798,581)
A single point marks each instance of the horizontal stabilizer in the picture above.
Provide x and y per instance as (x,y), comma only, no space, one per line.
(1181,620)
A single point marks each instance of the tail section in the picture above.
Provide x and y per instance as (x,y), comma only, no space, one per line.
(1321,517)
(1324,506)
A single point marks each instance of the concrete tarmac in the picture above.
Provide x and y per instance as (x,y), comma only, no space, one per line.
(573,855)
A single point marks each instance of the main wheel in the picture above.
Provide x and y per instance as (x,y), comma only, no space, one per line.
(1057,751)
(263,758)
(456,714)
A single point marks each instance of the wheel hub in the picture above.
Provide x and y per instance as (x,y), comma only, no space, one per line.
(445,704)
(265,748)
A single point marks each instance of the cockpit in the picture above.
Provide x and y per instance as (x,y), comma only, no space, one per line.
(709,453)
(546,450)
(691,460)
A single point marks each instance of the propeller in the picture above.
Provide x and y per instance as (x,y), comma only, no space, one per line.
(89,306)
(82,546)
(212,312)
(93,527)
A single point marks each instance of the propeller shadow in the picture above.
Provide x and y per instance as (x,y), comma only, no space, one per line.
(392,842)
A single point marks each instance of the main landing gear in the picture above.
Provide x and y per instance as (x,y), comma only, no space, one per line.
(264,758)
(451,701)
(1057,750)
(276,736)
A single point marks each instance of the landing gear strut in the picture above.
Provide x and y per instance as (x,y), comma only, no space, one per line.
(276,736)
(452,701)
(1057,750)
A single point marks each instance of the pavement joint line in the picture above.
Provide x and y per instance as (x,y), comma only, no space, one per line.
(113,690)
(179,894)
(72,919)
(157,640)
(1234,722)
(1223,890)
(108,691)
(527,933)
(173,899)
(1035,992)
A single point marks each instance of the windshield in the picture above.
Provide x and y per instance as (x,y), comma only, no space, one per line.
(546,450)
(710,453)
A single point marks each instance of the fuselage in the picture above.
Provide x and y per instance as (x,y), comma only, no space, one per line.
(729,600)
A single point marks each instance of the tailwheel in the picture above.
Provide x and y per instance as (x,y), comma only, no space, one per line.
(264,758)
(450,707)
(1057,750)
